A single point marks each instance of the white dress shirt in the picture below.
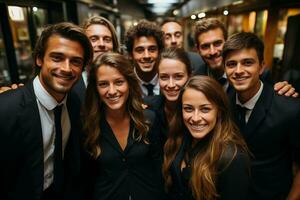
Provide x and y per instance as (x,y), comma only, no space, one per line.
(46,103)
(154,82)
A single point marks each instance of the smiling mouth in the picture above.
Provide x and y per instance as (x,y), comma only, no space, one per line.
(240,78)
(198,127)
(172,93)
(113,99)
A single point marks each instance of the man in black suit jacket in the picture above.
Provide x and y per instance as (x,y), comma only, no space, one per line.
(36,163)
(268,122)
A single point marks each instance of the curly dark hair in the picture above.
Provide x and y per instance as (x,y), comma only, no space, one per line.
(147,29)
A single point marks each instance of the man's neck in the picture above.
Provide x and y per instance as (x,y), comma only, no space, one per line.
(245,96)
(216,73)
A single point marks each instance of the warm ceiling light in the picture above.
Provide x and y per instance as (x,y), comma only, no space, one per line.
(201,15)
(225,12)
(193,17)
(16,13)
(237,2)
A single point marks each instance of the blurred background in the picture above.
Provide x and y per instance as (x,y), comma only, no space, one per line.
(276,22)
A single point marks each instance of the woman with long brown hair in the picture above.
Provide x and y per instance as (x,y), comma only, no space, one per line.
(121,138)
(205,158)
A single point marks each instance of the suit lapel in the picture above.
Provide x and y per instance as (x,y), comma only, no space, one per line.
(32,138)
(260,111)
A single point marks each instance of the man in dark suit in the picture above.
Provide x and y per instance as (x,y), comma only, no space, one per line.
(268,122)
(144,43)
(210,36)
(173,37)
(39,133)
(103,37)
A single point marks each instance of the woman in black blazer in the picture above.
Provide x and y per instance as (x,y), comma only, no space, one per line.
(122,145)
(205,157)
(173,70)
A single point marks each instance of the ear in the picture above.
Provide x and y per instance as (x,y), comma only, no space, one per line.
(39,62)
(262,67)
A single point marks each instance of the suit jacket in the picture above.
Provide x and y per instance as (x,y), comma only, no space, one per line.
(21,146)
(132,173)
(197,64)
(79,88)
(272,135)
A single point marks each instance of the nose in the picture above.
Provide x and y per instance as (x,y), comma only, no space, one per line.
(66,66)
(171,83)
(173,39)
(239,68)
(112,89)
(212,49)
(100,42)
(196,116)
(146,53)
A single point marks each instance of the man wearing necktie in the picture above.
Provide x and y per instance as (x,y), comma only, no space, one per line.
(268,122)
(144,43)
(39,130)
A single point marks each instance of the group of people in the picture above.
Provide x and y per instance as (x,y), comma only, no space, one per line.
(156,123)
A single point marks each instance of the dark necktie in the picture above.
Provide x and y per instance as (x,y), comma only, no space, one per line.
(149,88)
(241,111)
(58,158)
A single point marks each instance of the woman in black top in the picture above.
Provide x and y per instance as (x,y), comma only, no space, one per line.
(205,157)
(173,71)
(121,138)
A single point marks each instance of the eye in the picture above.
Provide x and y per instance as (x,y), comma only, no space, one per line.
(205,109)
(93,39)
(107,39)
(187,109)
(204,46)
(153,49)
(218,43)
(78,62)
(163,77)
(231,64)
(139,50)
(178,34)
(167,36)
(102,84)
(248,62)
(119,82)
(178,76)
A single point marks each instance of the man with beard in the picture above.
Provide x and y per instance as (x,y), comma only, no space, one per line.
(210,36)
(39,130)
(144,43)
(103,38)
(173,37)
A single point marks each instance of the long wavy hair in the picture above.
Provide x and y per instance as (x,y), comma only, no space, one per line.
(206,163)
(94,107)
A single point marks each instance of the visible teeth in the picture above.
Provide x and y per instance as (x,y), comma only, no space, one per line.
(113,98)
(198,127)
(240,78)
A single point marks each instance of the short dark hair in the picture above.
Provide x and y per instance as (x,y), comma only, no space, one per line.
(207,24)
(66,30)
(105,22)
(147,29)
(244,40)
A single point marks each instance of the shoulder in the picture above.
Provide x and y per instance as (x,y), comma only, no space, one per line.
(154,102)
(149,116)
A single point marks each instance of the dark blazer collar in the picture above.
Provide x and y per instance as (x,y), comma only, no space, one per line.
(259,111)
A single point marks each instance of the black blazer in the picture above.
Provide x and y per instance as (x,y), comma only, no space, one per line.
(79,88)
(21,146)
(197,63)
(134,173)
(156,103)
(272,135)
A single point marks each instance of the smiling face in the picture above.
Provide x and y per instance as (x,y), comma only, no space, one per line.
(173,36)
(199,114)
(101,39)
(112,88)
(243,69)
(61,65)
(145,53)
(210,48)
(172,77)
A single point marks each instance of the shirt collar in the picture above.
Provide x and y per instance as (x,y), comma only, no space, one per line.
(251,102)
(44,97)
